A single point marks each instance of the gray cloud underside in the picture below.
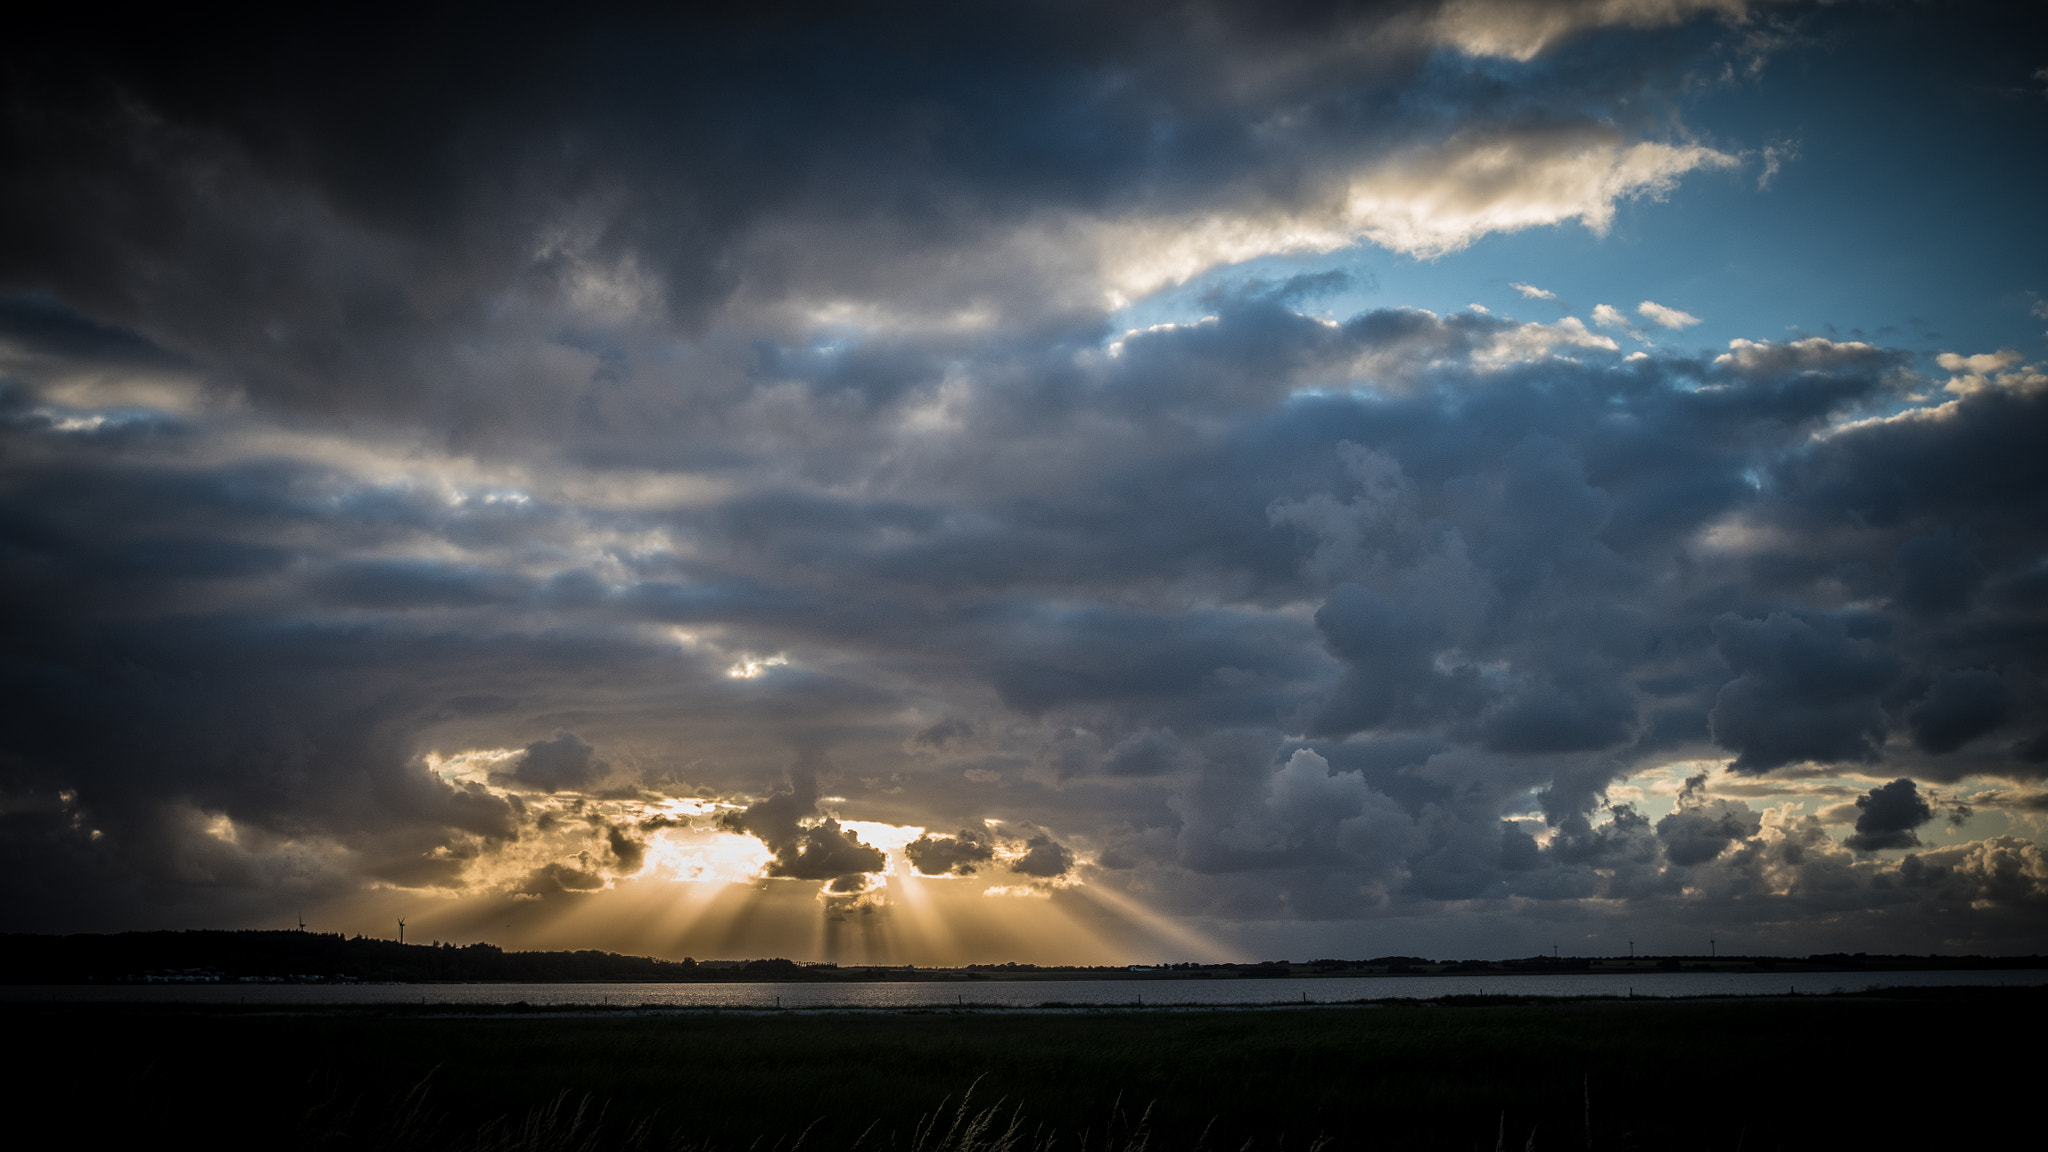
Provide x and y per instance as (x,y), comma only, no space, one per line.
(511,411)
(961,855)
(806,845)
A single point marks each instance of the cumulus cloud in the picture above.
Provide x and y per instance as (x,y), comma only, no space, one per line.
(1888,815)
(807,846)
(1043,858)
(1426,201)
(1533,341)
(1437,200)
(2003,870)
(1964,703)
(1148,753)
(1664,317)
(1806,690)
(1532,292)
(628,850)
(2001,369)
(561,762)
(959,855)
(1983,364)
(1810,354)
(1303,813)
(561,877)
(1522,31)
(1701,828)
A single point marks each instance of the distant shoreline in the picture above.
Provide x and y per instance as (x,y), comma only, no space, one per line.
(286,957)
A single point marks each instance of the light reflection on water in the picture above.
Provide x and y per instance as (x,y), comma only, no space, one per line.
(1025,994)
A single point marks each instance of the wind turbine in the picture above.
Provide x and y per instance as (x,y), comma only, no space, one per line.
(302,922)
(401,929)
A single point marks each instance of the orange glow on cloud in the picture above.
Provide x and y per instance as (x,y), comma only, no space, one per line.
(703,891)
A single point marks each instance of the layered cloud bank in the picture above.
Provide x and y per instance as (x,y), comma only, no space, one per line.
(646,452)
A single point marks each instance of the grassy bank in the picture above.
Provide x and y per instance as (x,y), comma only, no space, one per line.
(1790,1073)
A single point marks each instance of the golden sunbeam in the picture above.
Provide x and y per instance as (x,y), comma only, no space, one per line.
(701,894)
(1193,945)
(932,931)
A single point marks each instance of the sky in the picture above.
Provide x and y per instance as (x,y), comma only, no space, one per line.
(1042,482)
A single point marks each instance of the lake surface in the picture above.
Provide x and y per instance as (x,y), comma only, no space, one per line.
(1026,994)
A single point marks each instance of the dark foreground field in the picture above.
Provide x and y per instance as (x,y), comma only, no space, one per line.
(1930,1069)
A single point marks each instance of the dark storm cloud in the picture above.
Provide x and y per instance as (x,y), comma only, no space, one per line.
(564,761)
(1148,753)
(1806,689)
(414,585)
(1459,539)
(295,730)
(944,733)
(1963,704)
(1488,548)
(1624,840)
(1043,858)
(287,732)
(40,325)
(955,855)
(1889,815)
(1464,629)
(549,185)
(1702,828)
(549,879)
(1225,664)
(638,109)
(1302,819)
(806,846)
(724,393)
(1936,574)
(629,851)
(1923,471)
(1391,677)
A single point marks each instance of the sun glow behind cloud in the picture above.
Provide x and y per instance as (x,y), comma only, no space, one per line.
(923,920)
(700,889)
(754,667)
(701,855)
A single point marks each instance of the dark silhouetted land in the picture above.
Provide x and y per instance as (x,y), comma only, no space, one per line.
(1890,1070)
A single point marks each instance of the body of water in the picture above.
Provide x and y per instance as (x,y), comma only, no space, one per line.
(1025,994)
